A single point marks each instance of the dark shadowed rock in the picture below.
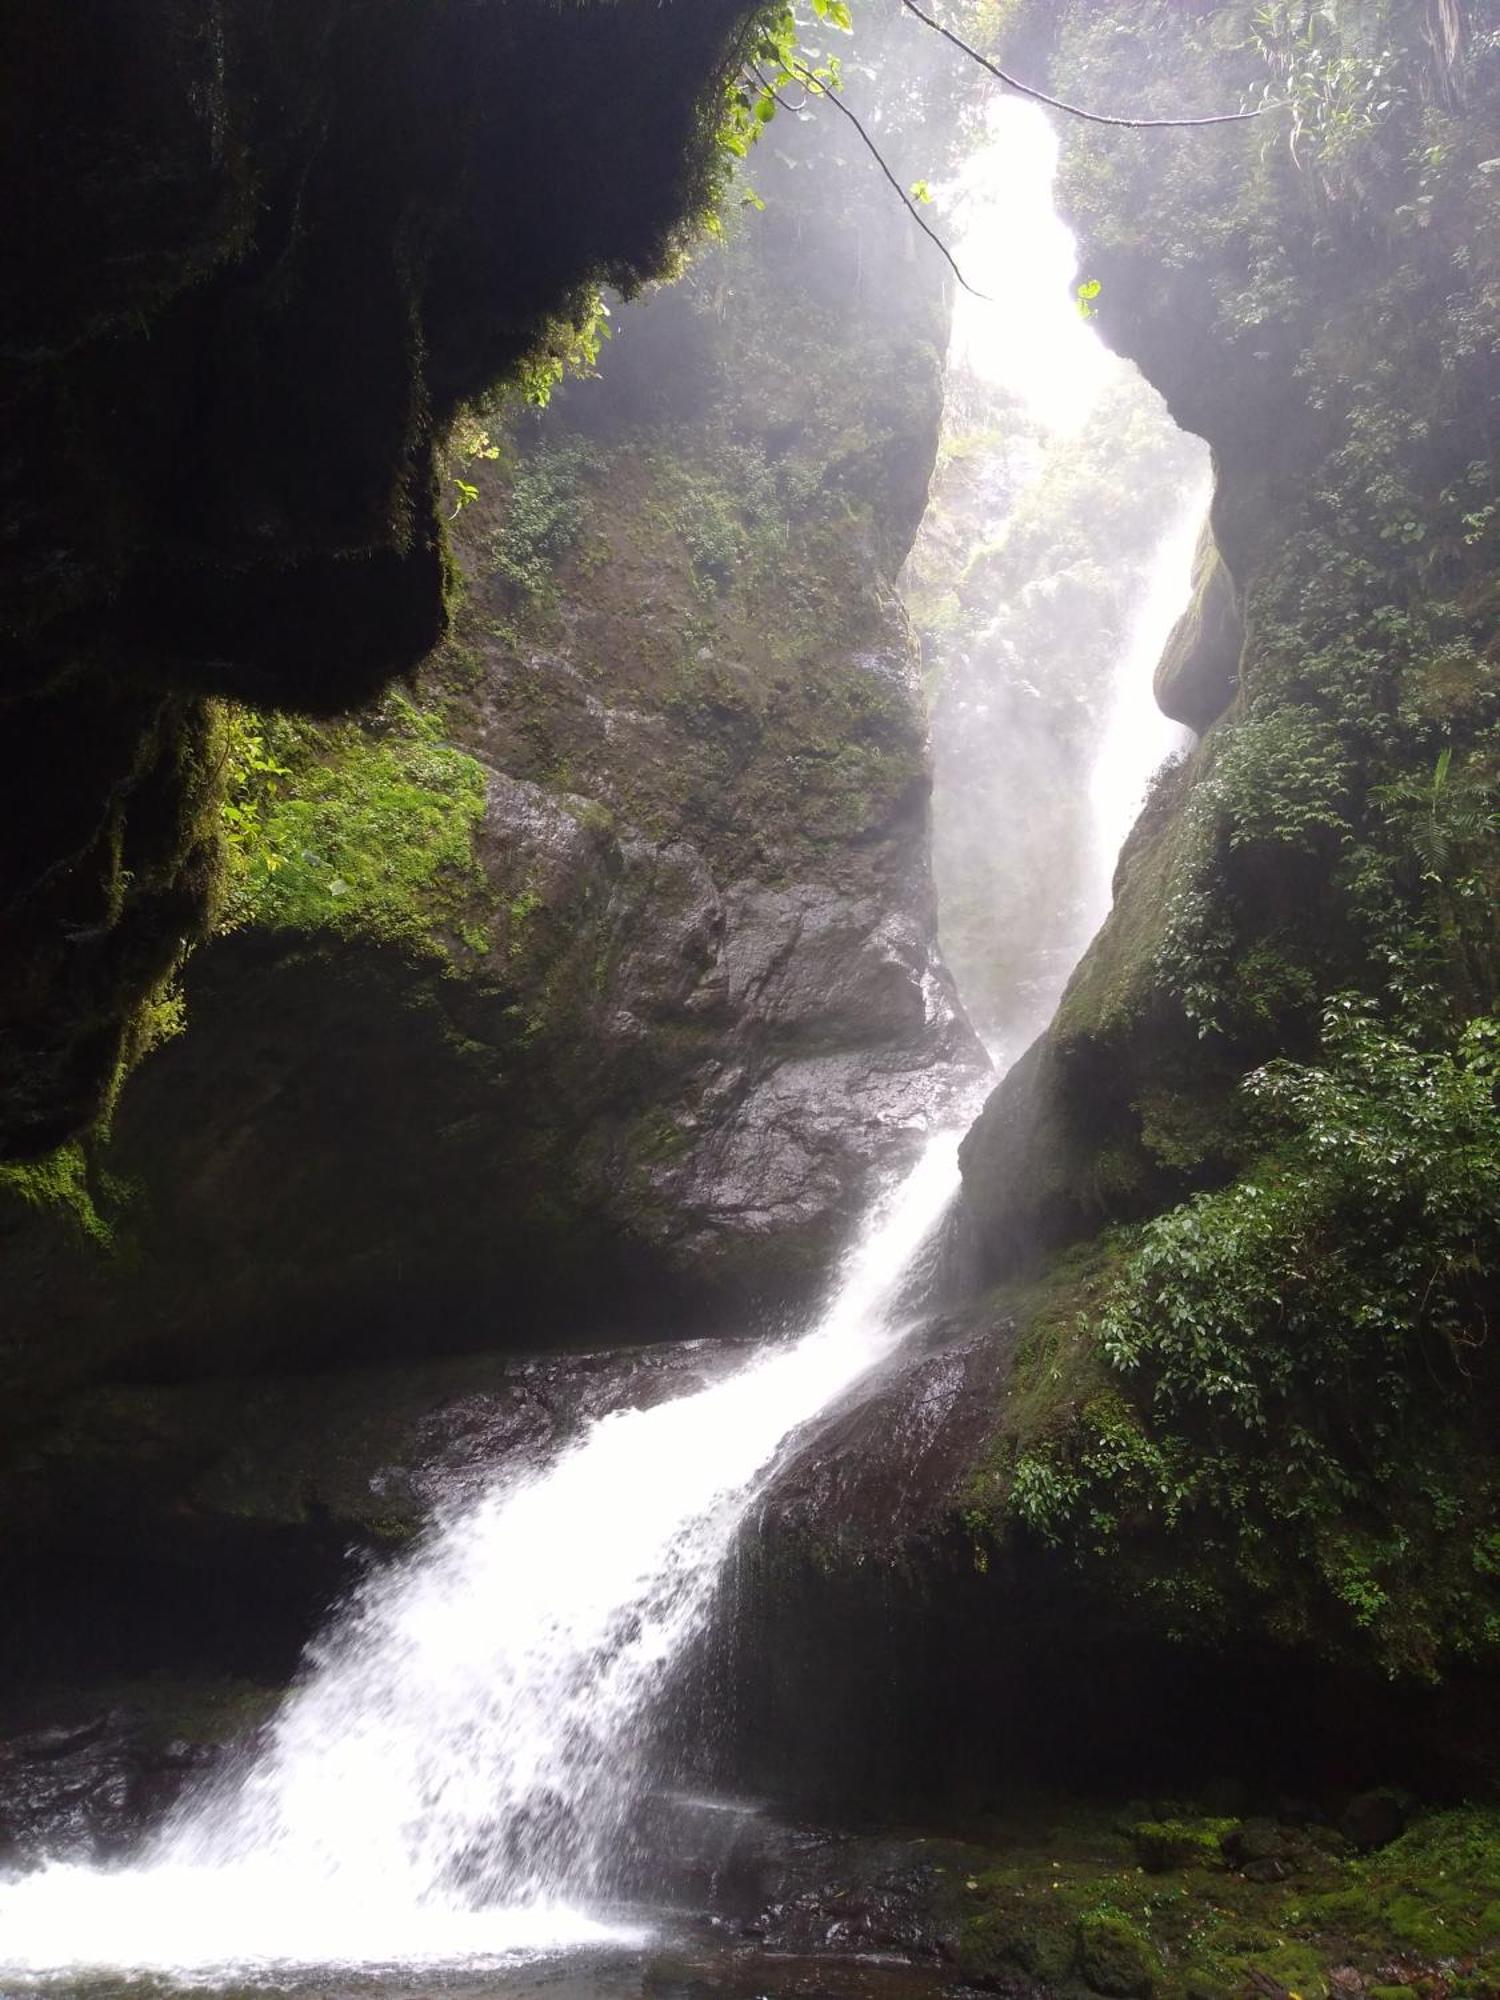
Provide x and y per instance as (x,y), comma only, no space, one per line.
(285,245)
(1373,1819)
(882,1470)
(631,1056)
(85,1792)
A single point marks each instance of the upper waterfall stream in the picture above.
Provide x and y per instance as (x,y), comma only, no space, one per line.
(455,1776)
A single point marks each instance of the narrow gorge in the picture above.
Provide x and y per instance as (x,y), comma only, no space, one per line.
(749,1075)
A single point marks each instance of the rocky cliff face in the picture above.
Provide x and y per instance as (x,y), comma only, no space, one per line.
(583,989)
(255,258)
(1212,1463)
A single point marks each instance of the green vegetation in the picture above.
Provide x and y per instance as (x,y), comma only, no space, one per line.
(61,1185)
(727,573)
(546,514)
(1275,1413)
(1289,1377)
(362,828)
(1063,1900)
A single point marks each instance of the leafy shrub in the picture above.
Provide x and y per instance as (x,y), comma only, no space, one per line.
(1300,1360)
(546,513)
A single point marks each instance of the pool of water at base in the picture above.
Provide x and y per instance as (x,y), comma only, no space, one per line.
(681,1967)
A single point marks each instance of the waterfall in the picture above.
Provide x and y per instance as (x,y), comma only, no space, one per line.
(455,1776)
(1017,250)
(1138,738)
(1054,560)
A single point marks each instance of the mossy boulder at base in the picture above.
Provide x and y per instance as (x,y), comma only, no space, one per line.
(1114,1958)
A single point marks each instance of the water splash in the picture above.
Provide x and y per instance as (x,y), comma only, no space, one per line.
(455,1778)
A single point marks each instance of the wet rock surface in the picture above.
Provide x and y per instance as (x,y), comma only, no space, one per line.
(674,1970)
(821,1892)
(85,1790)
(257,1504)
(883,1470)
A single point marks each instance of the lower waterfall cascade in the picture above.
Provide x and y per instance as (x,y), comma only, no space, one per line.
(455,1775)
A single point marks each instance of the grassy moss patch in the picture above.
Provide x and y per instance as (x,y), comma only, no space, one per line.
(1064,1898)
(364,828)
(62,1186)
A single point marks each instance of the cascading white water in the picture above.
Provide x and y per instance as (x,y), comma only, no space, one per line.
(1016,250)
(460,1764)
(1064,469)
(1137,737)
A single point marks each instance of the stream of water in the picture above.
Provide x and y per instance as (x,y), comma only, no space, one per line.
(1137,737)
(453,1781)
(1046,731)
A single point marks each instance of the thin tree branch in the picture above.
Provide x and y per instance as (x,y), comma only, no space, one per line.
(815,87)
(1077,110)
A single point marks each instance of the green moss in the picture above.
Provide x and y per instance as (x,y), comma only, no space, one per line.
(1114,1957)
(61,1185)
(657,1137)
(1062,1899)
(542,514)
(1113,985)
(1163,1845)
(1055,1372)
(360,828)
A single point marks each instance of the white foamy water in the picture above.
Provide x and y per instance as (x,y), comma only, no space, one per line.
(1137,737)
(456,1775)
(1026,334)
(1028,339)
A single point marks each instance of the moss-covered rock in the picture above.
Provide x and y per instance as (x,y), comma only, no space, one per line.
(1198,673)
(1165,1844)
(1114,1957)
(1056,1897)
(286,247)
